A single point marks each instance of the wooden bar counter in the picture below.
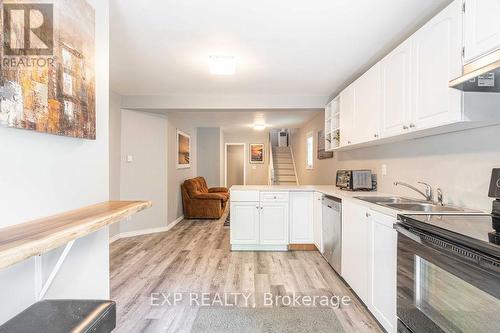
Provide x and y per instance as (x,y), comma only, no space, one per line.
(22,241)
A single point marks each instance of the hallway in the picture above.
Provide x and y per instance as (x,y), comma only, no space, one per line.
(194,257)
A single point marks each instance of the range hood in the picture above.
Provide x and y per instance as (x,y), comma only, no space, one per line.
(481,75)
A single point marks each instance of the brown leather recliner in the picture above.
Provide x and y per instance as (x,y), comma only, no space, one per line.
(201,202)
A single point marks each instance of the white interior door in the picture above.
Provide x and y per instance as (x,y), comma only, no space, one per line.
(235,164)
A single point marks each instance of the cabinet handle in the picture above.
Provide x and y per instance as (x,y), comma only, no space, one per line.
(348,142)
(405,127)
(368,214)
(412,126)
(375,135)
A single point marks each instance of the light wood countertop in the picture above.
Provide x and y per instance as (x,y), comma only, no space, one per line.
(22,241)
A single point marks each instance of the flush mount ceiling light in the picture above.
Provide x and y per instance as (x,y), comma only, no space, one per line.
(259,127)
(222,65)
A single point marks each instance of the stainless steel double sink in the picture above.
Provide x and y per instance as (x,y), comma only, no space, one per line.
(414,206)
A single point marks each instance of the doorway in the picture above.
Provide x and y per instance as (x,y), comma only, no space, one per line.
(235,164)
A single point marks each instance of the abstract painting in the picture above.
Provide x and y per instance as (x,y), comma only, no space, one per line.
(183,150)
(47,77)
(256,153)
(322,153)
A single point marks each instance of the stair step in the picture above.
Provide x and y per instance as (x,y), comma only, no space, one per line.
(286,183)
(281,173)
(286,178)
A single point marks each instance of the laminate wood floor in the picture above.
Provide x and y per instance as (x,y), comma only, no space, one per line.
(194,258)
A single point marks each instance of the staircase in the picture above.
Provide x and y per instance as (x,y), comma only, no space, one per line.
(284,168)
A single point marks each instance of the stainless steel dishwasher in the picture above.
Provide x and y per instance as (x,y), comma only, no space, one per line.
(332,232)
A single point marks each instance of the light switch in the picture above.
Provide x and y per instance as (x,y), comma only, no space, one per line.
(384,169)
(130,158)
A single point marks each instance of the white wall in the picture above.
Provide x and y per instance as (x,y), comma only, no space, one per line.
(208,153)
(115,132)
(177,176)
(321,174)
(257,174)
(41,175)
(144,137)
(460,163)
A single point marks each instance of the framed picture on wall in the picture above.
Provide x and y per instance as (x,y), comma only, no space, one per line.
(257,153)
(183,150)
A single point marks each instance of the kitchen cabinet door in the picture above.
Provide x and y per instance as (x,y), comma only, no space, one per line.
(245,223)
(274,224)
(301,217)
(355,256)
(318,221)
(396,90)
(347,116)
(482,27)
(367,106)
(437,59)
(383,261)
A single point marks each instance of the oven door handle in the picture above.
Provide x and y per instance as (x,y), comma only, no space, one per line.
(402,230)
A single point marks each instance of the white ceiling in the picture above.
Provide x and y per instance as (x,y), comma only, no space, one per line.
(283,47)
(243,120)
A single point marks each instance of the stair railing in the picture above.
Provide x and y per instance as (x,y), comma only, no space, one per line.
(293,159)
(271,175)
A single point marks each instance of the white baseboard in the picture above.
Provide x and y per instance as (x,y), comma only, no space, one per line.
(145,231)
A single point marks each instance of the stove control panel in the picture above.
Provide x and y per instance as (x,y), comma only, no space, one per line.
(495,184)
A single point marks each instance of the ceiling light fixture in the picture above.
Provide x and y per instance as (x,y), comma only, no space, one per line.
(222,65)
(259,127)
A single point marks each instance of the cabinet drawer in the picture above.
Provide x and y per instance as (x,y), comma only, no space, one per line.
(274,196)
(245,196)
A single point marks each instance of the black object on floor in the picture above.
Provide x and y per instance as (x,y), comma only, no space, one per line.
(227,222)
(63,316)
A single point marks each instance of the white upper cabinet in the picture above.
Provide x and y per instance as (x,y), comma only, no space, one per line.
(396,90)
(437,59)
(482,27)
(347,115)
(367,106)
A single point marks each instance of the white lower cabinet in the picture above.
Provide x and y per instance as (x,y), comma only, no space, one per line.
(301,217)
(245,220)
(274,224)
(369,255)
(259,225)
(382,270)
(318,221)
(355,257)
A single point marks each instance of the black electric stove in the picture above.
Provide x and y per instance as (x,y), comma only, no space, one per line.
(477,232)
(448,268)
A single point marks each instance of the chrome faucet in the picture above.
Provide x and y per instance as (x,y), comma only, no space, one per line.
(440,197)
(428,189)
